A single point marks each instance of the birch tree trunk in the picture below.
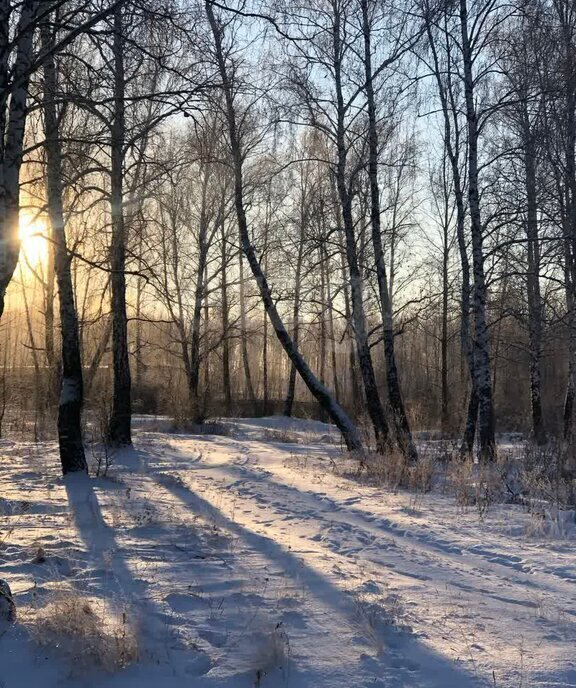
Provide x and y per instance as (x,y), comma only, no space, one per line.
(13,113)
(401,423)
(373,402)
(331,334)
(357,392)
(72,455)
(482,367)
(120,419)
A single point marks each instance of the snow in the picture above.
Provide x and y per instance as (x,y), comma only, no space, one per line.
(245,559)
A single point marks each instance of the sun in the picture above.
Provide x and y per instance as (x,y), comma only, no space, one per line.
(33,231)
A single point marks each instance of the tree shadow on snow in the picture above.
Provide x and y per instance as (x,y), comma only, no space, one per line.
(112,580)
(411,664)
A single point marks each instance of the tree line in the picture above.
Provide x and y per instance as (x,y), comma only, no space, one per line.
(365,209)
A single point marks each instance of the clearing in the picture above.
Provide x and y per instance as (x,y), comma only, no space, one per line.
(252,559)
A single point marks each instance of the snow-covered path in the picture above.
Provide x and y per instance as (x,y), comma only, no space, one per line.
(255,564)
(484,604)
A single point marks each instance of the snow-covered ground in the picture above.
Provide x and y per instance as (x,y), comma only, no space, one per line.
(252,560)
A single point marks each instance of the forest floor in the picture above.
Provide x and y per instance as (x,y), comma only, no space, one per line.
(255,559)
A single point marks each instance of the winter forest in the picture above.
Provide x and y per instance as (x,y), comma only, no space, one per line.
(287,343)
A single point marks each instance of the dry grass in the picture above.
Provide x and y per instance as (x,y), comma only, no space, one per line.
(477,484)
(85,631)
(548,476)
(377,616)
(271,653)
(395,471)
(390,469)
(282,436)
(183,424)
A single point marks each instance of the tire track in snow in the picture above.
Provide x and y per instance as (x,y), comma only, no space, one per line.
(345,534)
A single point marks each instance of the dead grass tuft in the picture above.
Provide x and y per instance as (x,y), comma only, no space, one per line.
(85,631)
(395,471)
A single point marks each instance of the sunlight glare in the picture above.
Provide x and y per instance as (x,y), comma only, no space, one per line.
(33,232)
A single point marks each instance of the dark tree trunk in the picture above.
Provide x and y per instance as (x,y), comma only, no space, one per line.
(265,362)
(444,414)
(206,385)
(227,388)
(120,420)
(249,386)
(534,297)
(195,355)
(569,225)
(289,401)
(72,455)
(331,333)
(323,308)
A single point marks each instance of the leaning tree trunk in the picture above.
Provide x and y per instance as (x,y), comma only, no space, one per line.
(120,419)
(318,390)
(401,423)
(72,455)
